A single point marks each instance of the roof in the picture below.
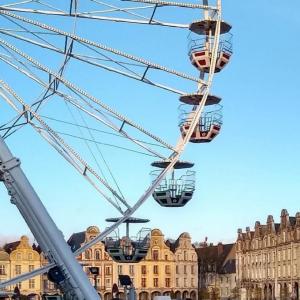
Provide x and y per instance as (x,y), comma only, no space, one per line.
(9,247)
(287,222)
(228,267)
(217,254)
(76,239)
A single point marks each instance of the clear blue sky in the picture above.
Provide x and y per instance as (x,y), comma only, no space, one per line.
(249,171)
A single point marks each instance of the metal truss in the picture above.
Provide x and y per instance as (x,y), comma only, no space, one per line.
(88,104)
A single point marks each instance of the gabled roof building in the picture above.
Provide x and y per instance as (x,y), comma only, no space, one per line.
(216,271)
(268,259)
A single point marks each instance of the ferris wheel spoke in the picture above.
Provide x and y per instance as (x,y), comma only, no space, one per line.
(178,4)
(68,45)
(95,17)
(26,276)
(86,107)
(59,144)
(18,3)
(129,11)
(104,47)
(94,61)
(83,93)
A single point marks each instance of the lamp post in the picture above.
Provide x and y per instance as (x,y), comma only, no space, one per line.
(95,272)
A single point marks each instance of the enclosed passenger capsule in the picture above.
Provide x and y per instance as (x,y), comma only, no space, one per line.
(208,126)
(201,49)
(174,191)
(128,249)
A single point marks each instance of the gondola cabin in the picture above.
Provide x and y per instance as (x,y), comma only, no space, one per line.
(174,191)
(207,127)
(128,249)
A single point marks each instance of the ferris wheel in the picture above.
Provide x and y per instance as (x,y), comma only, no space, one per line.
(52,55)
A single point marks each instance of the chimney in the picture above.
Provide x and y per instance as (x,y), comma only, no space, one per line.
(220,248)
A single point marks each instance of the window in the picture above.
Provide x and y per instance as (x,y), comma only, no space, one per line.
(155,269)
(168,282)
(131,269)
(18,256)
(144,270)
(31,268)
(98,254)
(284,236)
(107,270)
(155,254)
(193,282)
(184,270)
(155,282)
(98,282)
(177,269)
(192,269)
(177,282)
(166,256)
(185,282)
(45,284)
(31,283)
(168,269)
(2,270)
(144,282)
(18,269)
(30,256)
(107,282)
(185,255)
(120,270)
(87,254)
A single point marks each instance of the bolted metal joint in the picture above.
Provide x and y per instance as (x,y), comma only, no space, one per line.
(10,164)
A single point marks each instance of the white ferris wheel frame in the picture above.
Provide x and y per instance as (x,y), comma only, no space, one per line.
(15,101)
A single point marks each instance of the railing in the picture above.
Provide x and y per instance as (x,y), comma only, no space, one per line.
(141,241)
(205,44)
(185,183)
(206,120)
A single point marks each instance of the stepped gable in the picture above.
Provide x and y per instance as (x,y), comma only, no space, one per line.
(173,245)
(287,222)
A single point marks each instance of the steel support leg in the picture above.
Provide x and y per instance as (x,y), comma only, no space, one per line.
(41,224)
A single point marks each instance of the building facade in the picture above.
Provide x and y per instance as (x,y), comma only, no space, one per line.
(17,258)
(170,267)
(5,272)
(216,270)
(268,259)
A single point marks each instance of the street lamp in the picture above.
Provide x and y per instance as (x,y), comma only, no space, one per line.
(94,271)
